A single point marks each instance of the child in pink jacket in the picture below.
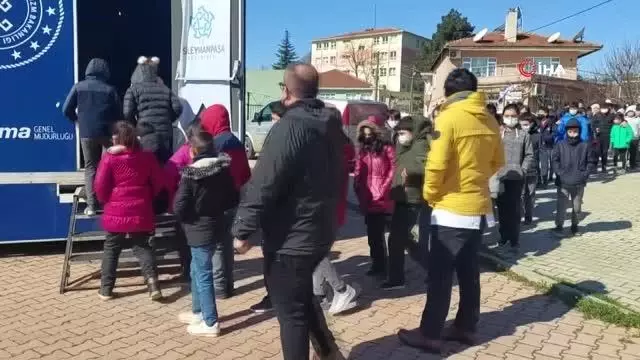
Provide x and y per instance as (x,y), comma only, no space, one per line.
(127,181)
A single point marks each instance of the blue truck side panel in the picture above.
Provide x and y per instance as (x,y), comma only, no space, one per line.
(33,212)
(36,73)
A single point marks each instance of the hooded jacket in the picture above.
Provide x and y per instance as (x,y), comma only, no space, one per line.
(296,186)
(465,152)
(215,121)
(127,181)
(585,127)
(573,161)
(603,123)
(96,102)
(149,101)
(373,175)
(411,158)
(548,134)
(534,137)
(206,191)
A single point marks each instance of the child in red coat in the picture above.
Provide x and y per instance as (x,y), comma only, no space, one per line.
(127,181)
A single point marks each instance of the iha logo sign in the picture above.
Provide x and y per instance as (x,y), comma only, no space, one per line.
(528,68)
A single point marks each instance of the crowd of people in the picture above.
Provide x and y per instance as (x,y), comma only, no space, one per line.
(434,184)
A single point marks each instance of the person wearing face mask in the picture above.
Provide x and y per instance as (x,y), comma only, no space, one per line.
(548,129)
(372,181)
(602,124)
(414,136)
(573,161)
(392,123)
(621,137)
(634,123)
(528,124)
(519,161)
(573,112)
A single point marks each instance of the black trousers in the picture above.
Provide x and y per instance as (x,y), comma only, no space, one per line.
(442,263)
(404,218)
(113,247)
(529,197)
(301,319)
(633,154)
(510,210)
(546,172)
(604,152)
(376,225)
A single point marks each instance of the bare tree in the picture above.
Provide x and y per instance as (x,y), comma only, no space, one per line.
(621,67)
(360,59)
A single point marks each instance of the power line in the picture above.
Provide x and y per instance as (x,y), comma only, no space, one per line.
(572,15)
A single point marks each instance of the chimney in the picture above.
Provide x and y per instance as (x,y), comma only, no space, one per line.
(511,26)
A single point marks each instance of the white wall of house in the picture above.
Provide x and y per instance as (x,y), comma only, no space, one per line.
(395,61)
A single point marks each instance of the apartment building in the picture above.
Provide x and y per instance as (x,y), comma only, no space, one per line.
(386,55)
(514,66)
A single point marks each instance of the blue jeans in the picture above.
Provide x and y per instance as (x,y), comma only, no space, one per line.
(202,292)
(223,255)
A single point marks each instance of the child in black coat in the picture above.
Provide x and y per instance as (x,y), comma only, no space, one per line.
(205,192)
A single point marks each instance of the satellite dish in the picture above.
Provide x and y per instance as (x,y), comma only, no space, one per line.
(579,36)
(553,38)
(480,35)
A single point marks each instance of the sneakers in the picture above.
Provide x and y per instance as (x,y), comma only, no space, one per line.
(154,290)
(190,318)
(106,295)
(202,329)
(392,285)
(575,231)
(262,307)
(343,301)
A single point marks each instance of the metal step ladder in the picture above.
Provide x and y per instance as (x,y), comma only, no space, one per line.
(163,242)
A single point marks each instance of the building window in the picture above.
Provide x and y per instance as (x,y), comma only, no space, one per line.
(318,46)
(360,47)
(332,60)
(318,61)
(376,40)
(385,39)
(383,71)
(383,56)
(480,66)
(326,45)
(328,95)
(544,65)
(392,71)
(333,44)
(392,55)
(325,60)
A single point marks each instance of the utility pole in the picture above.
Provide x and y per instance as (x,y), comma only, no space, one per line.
(413,73)
(377,79)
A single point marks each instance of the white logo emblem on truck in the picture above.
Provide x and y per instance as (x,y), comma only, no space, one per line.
(28,30)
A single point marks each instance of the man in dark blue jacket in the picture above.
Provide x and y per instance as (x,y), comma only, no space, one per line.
(95,105)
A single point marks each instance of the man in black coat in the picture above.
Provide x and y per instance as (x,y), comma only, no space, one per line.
(602,123)
(292,196)
(149,101)
(95,105)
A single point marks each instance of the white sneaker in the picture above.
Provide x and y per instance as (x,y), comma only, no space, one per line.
(89,211)
(189,318)
(343,301)
(201,329)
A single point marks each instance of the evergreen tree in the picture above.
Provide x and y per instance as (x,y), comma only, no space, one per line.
(452,26)
(286,53)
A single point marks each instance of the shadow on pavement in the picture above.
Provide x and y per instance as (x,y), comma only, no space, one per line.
(492,325)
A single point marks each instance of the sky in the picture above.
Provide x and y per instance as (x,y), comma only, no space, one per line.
(612,24)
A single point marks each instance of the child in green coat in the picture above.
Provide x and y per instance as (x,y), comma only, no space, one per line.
(621,137)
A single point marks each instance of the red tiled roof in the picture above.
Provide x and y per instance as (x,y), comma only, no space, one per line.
(336,79)
(497,39)
(366,32)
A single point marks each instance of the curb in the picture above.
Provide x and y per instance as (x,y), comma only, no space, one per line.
(533,276)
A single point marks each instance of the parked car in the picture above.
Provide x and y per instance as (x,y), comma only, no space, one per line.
(353,111)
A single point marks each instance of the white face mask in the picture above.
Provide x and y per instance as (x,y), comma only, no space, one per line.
(510,121)
(525,127)
(604,111)
(573,111)
(405,139)
(629,118)
(392,123)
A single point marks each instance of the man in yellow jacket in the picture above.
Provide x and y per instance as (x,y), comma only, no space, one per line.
(466,151)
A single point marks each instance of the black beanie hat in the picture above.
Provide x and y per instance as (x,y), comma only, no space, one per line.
(406,123)
(572,124)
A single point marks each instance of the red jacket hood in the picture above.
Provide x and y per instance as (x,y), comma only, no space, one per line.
(215,120)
